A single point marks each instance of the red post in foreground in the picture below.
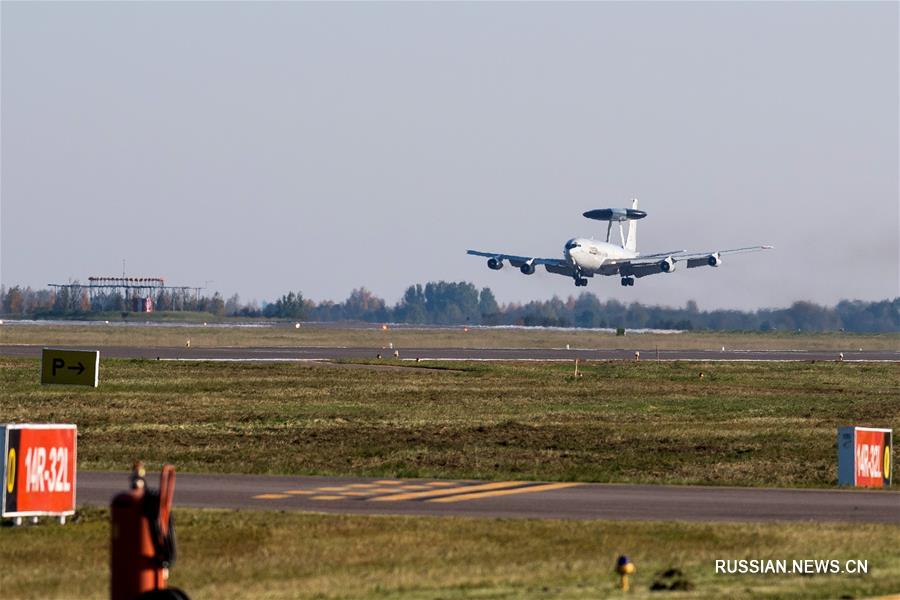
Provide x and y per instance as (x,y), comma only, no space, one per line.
(143,542)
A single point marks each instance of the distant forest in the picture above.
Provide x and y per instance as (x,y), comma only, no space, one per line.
(447,303)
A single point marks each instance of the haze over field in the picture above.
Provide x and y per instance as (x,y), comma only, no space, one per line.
(267,147)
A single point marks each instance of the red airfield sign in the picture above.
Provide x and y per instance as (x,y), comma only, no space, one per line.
(864,457)
(38,472)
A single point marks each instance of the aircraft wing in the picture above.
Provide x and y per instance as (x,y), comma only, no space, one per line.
(553,265)
(665,262)
(692,255)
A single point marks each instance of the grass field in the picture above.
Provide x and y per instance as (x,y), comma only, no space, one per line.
(758,424)
(286,334)
(231,554)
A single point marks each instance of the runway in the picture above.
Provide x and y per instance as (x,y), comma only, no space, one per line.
(300,353)
(507,499)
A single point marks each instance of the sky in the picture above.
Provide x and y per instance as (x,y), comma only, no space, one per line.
(257,148)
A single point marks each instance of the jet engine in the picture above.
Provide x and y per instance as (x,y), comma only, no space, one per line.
(495,264)
(527,268)
(711,260)
(667,265)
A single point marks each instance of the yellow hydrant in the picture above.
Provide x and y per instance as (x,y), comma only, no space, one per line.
(624,567)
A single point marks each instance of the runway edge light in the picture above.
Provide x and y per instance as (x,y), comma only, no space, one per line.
(624,567)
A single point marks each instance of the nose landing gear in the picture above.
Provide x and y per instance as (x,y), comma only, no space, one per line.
(627,281)
(580,280)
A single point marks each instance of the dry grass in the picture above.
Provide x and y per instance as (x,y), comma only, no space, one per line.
(232,554)
(741,424)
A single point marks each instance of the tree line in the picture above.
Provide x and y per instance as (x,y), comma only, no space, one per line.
(461,303)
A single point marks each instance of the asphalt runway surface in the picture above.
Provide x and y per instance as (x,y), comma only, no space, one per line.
(500,354)
(507,499)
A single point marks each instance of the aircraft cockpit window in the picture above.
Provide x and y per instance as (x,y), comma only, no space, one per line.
(572,244)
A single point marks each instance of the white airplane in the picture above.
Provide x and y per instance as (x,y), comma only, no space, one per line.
(583,258)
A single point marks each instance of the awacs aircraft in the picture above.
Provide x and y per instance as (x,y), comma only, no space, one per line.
(583,258)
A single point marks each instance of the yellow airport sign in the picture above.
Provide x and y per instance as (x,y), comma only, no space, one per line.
(70,367)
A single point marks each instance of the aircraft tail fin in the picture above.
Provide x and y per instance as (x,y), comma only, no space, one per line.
(631,240)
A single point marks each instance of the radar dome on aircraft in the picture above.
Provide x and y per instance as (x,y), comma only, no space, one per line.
(615,214)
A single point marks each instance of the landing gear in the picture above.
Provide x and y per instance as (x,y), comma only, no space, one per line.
(580,282)
(626,281)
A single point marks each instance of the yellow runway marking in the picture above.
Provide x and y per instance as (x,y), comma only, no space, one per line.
(327,497)
(299,492)
(442,483)
(340,488)
(359,493)
(491,494)
(413,487)
(440,492)
(363,485)
(270,496)
(387,481)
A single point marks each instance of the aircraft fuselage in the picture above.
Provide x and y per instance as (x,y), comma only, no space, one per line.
(589,255)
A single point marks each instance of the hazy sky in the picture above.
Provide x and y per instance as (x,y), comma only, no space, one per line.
(267,147)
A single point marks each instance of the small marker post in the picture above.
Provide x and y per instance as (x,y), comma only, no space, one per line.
(624,567)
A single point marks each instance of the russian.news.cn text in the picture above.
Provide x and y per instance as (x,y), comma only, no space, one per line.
(752,566)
